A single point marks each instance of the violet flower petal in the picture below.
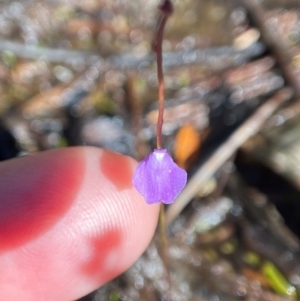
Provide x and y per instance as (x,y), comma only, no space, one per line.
(158,178)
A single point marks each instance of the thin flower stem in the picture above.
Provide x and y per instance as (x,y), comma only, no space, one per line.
(162,226)
(166,10)
(164,239)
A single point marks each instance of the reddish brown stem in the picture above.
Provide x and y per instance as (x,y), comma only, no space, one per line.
(166,10)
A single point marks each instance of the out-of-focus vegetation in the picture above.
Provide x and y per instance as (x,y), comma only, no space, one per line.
(82,73)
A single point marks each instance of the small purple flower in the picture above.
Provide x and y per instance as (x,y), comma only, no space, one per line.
(158,178)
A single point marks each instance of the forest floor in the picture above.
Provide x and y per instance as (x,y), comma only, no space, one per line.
(82,73)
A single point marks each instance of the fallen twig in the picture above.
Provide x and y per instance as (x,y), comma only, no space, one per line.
(223,153)
(214,58)
(275,44)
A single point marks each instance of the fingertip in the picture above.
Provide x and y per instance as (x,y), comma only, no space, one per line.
(117,202)
(113,220)
(42,185)
(103,230)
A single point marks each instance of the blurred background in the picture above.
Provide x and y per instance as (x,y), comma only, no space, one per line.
(81,72)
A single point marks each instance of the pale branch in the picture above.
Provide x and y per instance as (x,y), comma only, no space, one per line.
(216,58)
(249,128)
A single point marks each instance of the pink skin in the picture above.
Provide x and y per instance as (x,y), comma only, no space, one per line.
(70,220)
